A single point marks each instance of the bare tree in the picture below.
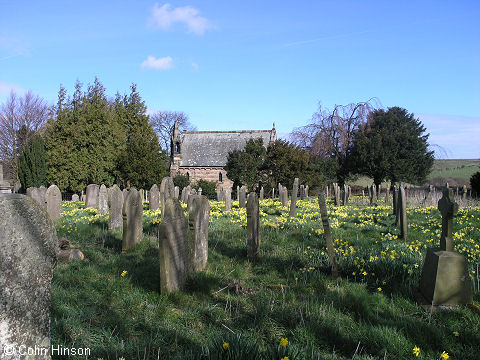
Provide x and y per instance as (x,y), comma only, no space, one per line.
(163,123)
(20,119)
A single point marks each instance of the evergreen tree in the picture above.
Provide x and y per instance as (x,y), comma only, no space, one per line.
(143,163)
(32,167)
(392,147)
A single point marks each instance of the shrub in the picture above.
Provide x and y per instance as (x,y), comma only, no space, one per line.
(181,181)
(475,183)
(209,188)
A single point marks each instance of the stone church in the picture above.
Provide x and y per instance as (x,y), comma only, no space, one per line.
(203,154)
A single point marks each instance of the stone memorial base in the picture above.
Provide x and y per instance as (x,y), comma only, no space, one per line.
(445,280)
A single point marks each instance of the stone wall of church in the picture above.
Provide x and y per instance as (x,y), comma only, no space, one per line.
(208,174)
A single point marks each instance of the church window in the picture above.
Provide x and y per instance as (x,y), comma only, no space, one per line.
(177,147)
(188,176)
(220,177)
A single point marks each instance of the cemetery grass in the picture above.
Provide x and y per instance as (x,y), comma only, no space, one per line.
(237,309)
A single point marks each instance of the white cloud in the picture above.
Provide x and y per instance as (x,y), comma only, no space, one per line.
(164,63)
(195,66)
(164,17)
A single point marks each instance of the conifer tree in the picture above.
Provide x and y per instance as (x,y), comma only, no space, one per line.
(32,167)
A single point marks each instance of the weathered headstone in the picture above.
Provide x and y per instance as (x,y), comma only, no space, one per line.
(445,279)
(53,201)
(328,234)
(261,193)
(228,199)
(293,203)
(253,226)
(464,192)
(174,249)
(132,220)
(302,192)
(284,196)
(177,192)
(75,197)
(102,202)
(306,191)
(167,191)
(238,193)
(142,194)
(91,199)
(28,254)
(115,204)
(4,185)
(38,194)
(402,209)
(124,194)
(198,219)
(153,197)
(242,199)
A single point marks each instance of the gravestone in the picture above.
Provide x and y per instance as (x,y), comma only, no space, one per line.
(328,234)
(38,194)
(241,201)
(82,197)
(261,193)
(402,210)
(273,193)
(464,192)
(293,203)
(167,191)
(284,196)
(53,201)
(238,193)
(199,192)
(336,190)
(191,194)
(115,204)
(153,197)
(102,200)
(228,199)
(4,185)
(183,198)
(302,192)
(253,226)
(174,249)
(198,219)
(306,191)
(280,192)
(91,199)
(75,197)
(132,220)
(28,255)
(177,192)
(387,194)
(124,194)
(445,279)
(395,201)
(142,194)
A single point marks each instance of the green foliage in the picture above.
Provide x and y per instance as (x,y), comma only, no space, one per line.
(475,183)
(181,181)
(243,166)
(85,140)
(32,167)
(209,188)
(392,147)
(284,162)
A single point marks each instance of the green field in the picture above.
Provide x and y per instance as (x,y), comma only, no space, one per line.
(236,309)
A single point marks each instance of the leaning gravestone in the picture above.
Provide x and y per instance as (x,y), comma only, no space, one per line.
(153,197)
(293,203)
(241,201)
(173,248)
(445,279)
(132,220)
(102,202)
(75,197)
(402,210)
(228,199)
(115,204)
(28,255)
(253,226)
(53,201)
(91,199)
(198,219)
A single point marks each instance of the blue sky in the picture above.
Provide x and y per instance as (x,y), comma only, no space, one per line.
(246,64)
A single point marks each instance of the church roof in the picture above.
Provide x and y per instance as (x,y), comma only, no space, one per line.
(211,148)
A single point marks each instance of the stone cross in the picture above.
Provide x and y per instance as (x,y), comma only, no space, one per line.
(102,202)
(153,197)
(253,226)
(198,219)
(132,220)
(53,201)
(115,205)
(28,255)
(448,208)
(174,249)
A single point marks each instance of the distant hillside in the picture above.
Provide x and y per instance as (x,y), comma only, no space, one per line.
(456,172)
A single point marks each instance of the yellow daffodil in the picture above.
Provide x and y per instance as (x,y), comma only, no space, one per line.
(225,346)
(124,272)
(445,355)
(283,342)
(456,333)
(416,351)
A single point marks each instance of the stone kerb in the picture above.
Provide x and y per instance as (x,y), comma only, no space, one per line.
(102,202)
(53,201)
(198,220)
(91,199)
(115,204)
(153,197)
(253,226)
(132,220)
(174,252)
(29,254)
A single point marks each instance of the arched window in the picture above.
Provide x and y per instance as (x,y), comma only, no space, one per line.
(188,176)
(220,177)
